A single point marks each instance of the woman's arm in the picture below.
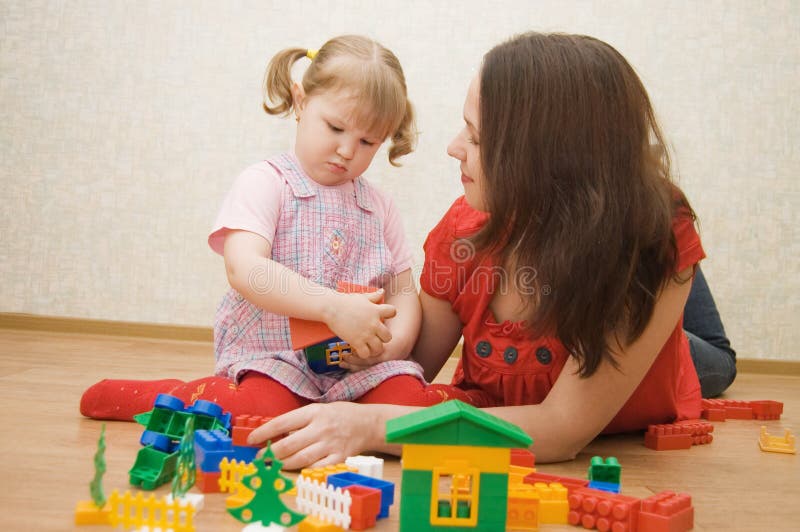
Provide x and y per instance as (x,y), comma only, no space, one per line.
(356,318)
(439,334)
(578,409)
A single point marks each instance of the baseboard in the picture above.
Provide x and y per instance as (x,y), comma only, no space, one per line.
(768,366)
(32,322)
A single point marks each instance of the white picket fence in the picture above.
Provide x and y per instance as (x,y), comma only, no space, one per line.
(324,501)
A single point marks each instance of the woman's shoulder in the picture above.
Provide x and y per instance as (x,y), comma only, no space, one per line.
(460,221)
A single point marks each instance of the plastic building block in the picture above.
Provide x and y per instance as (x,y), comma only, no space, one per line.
(267,484)
(321,474)
(365,506)
(732,409)
(159,442)
(699,430)
(315,524)
(210,447)
(610,487)
(386,488)
(666,512)
(96,511)
(185,474)
(86,513)
(305,333)
(553,502)
(242,427)
(517,474)
(523,508)
(681,435)
(764,410)
(602,510)
(230,481)
(455,423)
(152,468)
(371,466)
(777,444)
(523,457)
(168,416)
(325,357)
(607,470)
(138,511)
(207,482)
(245,454)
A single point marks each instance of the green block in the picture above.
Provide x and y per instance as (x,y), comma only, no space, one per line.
(415,482)
(153,468)
(607,470)
(455,423)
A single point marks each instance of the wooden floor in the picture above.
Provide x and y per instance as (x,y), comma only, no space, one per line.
(46,456)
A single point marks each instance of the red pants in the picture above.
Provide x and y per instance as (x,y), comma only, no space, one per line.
(256,394)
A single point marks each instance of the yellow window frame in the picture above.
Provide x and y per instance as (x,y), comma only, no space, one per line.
(336,348)
(464,486)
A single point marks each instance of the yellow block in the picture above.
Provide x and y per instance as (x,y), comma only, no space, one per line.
(553,504)
(777,444)
(517,474)
(426,457)
(522,512)
(314,524)
(86,513)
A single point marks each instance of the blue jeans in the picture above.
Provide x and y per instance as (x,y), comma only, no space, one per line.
(714,359)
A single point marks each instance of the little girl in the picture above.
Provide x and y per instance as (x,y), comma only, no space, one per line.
(289,230)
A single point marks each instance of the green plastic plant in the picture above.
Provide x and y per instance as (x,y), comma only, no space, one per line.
(185,469)
(96,485)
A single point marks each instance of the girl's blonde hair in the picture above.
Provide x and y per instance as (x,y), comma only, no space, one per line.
(360,66)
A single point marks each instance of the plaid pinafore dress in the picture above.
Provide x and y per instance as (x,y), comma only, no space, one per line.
(326,235)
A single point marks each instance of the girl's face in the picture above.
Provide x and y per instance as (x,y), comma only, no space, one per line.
(465,148)
(331,148)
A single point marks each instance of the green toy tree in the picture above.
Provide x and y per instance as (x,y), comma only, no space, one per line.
(185,468)
(266,505)
(96,485)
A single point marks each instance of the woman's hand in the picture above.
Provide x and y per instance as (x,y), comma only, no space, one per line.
(322,434)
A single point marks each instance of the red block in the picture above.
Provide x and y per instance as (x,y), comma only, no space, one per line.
(666,512)
(767,409)
(603,510)
(365,506)
(733,409)
(207,482)
(523,458)
(243,425)
(699,430)
(667,437)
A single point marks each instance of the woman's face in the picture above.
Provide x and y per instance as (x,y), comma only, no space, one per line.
(465,148)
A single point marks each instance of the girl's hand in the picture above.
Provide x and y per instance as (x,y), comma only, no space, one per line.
(391,351)
(358,319)
(320,434)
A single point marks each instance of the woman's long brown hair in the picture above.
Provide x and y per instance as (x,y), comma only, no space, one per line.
(578,188)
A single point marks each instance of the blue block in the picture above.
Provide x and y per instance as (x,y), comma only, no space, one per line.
(210,447)
(244,453)
(604,486)
(347,478)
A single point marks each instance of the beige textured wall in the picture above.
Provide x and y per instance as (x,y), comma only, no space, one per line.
(122,125)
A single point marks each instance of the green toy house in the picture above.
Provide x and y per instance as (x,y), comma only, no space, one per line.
(455,468)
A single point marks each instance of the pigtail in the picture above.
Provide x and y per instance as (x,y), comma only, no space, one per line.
(405,137)
(278,81)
